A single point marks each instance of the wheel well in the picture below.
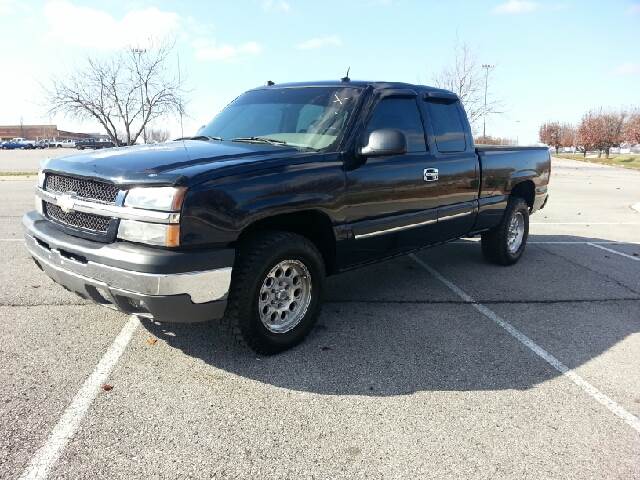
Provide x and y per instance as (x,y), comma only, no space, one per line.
(525,190)
(314,225)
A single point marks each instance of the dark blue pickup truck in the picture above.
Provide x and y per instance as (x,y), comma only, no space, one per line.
(287,185)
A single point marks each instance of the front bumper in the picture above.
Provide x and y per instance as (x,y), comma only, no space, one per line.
(169,286)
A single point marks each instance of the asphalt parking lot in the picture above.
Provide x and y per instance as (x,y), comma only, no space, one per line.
(436,365)
(29,160)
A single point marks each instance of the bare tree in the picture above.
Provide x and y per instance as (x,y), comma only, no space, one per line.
(489,140)
(568,135)
(124,92)
(158,135)
(632,128)
(550,134)
(613,130)
(601,130)
(465,78)
(589,132)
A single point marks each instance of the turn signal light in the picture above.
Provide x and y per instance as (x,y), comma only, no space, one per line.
(172,238)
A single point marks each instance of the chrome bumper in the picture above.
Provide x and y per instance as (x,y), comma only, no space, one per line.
(201,287)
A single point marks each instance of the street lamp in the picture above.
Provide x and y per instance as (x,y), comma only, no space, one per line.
(140,51)
(486,67)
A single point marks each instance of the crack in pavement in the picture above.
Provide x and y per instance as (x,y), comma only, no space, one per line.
(397,302)
(602,274)
(487,302)
(31,305)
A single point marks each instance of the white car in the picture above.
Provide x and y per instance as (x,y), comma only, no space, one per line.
(23,141)
(68,143)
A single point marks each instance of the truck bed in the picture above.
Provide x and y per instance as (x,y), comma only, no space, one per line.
(503,167)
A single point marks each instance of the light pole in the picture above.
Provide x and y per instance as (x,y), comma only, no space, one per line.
(486,67)
(180,83)
(140,51)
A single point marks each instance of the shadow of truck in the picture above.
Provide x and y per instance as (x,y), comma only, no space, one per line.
(393,329)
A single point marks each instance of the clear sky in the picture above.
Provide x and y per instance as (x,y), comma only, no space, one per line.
(554,59)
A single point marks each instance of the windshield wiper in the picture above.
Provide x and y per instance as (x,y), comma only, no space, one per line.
(201,137)
(271,141)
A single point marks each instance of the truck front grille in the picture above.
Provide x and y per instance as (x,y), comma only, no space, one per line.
(85,221)
(86,189)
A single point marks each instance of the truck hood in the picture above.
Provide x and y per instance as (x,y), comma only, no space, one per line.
(172,163)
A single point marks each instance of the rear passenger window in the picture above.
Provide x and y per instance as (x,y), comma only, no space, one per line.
(401,114)
(447,126)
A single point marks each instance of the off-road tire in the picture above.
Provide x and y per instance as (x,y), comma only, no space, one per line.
(256,256)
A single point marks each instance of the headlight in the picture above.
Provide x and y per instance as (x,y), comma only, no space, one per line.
(156,198)
(165,235)
(166,199)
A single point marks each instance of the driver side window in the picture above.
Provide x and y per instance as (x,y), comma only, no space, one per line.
(400,114)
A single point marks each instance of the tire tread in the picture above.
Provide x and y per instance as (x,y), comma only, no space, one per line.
(493,242)
(250,259)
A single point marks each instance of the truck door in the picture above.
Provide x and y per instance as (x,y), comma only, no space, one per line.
(389,204)
(453,164)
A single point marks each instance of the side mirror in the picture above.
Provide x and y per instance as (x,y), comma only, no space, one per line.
(386,141)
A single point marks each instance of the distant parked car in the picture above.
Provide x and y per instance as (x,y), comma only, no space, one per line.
(24,143)
(41,144)
(11,145)
(68,143)
(55,143)
(18,143)
(94,143)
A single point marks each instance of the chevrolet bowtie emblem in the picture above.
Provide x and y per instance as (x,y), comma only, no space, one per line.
(66,202)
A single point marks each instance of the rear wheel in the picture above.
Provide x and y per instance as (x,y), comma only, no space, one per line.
(505,244)
(275,293)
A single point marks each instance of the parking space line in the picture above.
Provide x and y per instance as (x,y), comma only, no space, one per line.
(584,223)
(46,457)
(11,240)
(631,257)
(473,241)
(593,392)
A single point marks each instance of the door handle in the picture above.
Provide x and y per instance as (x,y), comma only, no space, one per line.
(430,174)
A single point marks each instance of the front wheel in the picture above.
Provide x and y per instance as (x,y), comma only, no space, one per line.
(505,244)
(276,289)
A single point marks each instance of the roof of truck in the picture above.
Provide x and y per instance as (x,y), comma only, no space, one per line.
(359,84)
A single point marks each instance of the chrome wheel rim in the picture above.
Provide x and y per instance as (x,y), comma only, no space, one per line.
(515,234)
(284,296)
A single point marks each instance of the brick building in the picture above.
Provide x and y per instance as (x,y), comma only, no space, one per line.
(37,132)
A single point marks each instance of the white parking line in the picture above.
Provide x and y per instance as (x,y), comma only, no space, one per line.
(593,392)
(44,459)
(11,240)
(584,223)
(473,241)
(631,257)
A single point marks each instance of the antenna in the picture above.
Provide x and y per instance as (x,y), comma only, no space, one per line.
(346,77)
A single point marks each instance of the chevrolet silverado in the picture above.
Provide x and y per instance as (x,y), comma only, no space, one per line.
(287,185)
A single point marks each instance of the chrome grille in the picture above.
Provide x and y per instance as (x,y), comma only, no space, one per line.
(86,189)
(86,221)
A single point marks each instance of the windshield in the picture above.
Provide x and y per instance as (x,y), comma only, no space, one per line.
(305,117)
